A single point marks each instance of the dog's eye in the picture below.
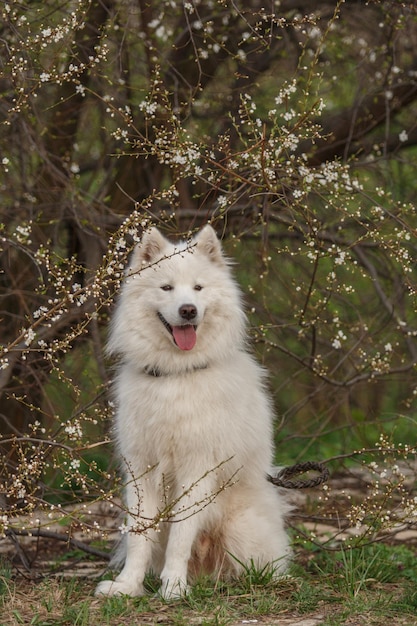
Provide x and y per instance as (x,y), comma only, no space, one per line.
(198,287)
(167,287)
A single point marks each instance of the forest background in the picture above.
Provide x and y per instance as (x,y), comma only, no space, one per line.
(291,126)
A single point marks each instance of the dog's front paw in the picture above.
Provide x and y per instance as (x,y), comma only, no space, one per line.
(173,589)
(119,588)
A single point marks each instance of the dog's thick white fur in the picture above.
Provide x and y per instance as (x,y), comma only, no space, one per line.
(193,423)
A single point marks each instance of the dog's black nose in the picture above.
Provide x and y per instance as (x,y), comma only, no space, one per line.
(188,311)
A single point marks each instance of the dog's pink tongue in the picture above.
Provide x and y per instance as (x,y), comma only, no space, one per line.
(185,336)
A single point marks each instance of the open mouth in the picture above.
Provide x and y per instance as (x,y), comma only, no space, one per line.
(184,336)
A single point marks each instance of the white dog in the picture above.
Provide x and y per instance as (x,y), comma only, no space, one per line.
(194,423)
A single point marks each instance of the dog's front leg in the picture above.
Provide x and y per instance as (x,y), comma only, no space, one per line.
(142,505)
(184,529)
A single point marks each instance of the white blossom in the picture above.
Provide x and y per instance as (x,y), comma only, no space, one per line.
(29,336)
(80,89)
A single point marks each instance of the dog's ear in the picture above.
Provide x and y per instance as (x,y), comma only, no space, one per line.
(149,249)
(208,243)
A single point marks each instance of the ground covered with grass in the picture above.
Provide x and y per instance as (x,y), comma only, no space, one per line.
(336,578)
(372,585)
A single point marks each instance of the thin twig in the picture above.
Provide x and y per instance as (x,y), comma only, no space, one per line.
(49,534)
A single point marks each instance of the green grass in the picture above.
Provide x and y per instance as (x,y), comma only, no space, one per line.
(375,583)
(352,570)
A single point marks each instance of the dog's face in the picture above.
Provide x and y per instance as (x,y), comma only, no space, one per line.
(181,310)
(180,282)
(177,299)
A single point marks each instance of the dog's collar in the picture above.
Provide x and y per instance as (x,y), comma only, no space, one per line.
(157,373)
